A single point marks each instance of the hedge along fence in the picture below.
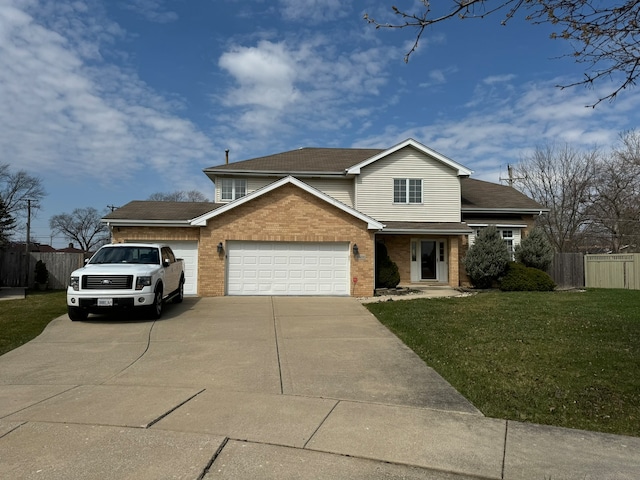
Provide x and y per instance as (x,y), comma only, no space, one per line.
(612,271)
(13,271)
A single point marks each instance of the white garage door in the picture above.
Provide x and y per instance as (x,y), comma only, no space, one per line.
(287,268)
(188,251)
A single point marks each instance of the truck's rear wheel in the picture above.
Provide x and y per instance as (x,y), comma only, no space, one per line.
(180,295)
(155,310)
(77,314)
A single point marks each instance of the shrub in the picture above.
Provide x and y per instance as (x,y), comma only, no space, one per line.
(535,250)
(487,258)
(41,273)
(520,278)
(387,273)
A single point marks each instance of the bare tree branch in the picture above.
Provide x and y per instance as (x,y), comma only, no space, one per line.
(605,36)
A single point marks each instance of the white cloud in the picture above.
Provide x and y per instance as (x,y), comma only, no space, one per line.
(151,10)
(438,77)
(314,11)
(309,83)
(64,108)
(494,133)
(493,79)
(265,74)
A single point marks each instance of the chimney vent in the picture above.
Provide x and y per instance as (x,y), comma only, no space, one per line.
(226,157)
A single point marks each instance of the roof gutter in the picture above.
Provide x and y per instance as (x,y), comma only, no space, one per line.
(273,173)
(427,231)
(144,223)
(525,211)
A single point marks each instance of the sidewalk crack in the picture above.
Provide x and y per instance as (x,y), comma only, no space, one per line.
(321,424)
(213,459)
(139,356)
(504,450)
(275,333)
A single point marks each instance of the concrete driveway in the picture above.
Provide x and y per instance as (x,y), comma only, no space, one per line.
(262,387)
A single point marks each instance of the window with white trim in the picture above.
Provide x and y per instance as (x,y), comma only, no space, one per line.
(407,190)
(510,236)
(507,236)
(232,188)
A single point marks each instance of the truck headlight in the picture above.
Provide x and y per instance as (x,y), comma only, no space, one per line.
(142,282)
(74,282)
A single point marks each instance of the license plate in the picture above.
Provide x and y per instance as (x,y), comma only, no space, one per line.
(105,302)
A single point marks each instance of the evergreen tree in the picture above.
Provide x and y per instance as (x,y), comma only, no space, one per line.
(487,258)
(387,274)
(535,250)
(7,224)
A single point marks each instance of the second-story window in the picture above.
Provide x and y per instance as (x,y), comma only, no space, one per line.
(232,188)
(407,190)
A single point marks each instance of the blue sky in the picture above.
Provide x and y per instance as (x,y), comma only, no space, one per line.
(111,101)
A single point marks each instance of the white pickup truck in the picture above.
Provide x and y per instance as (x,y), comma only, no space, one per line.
(126,275)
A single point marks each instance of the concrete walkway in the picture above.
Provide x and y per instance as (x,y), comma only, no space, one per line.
(263,388)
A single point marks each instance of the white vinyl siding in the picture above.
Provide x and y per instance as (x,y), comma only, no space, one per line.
(340,189)
(440,189)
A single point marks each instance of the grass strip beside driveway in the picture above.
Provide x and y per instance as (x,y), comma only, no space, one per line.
(568,359)
(24,319)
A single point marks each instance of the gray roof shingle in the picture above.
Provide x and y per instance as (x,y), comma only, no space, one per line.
(478,194)
(326,160)
(169,211)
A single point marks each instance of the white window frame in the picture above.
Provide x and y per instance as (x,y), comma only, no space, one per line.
(511,241)
(238,189)
(408,200)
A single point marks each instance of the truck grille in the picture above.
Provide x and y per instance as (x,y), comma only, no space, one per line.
(107,282)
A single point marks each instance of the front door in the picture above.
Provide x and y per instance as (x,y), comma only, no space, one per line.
(429,260)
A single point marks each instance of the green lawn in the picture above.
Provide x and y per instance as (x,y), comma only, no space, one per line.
(569,359)
(23,320)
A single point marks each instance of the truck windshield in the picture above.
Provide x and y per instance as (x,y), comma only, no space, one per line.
(127,255)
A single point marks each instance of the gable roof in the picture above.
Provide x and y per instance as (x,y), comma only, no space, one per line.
(410,142)
(303,160)
(480,196)
(326,161)
(372,224)
(140,212)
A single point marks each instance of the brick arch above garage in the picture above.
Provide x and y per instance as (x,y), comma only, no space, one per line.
(285,214)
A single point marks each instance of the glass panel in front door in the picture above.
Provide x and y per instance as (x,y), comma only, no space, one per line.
(428,259)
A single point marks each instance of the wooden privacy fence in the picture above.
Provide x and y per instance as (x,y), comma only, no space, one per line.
(13,271)
(613,271)
(567,270)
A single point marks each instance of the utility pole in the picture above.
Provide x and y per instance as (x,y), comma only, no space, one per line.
(112,207)
(27,258)
(511,178)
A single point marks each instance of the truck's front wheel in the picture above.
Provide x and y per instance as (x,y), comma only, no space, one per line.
(77,314)
(155,310)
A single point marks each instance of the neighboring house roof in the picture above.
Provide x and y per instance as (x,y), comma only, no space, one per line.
(486,197)
(326,161)
(372,224)
(140,212)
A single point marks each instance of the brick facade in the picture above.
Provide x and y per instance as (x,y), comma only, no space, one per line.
(286,214)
